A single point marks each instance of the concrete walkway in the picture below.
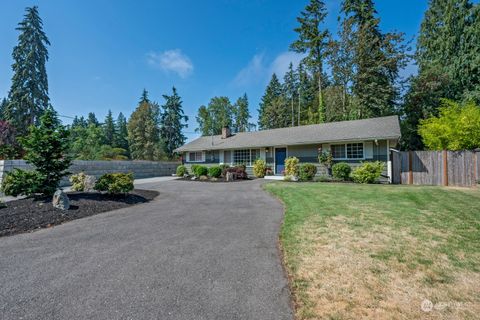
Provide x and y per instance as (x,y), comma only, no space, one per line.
(198,251)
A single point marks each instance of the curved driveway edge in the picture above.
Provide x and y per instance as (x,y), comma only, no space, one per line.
(198,251)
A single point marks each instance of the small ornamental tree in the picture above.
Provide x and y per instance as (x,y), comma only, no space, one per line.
(46,148)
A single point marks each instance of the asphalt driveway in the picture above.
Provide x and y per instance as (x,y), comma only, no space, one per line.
(199,251)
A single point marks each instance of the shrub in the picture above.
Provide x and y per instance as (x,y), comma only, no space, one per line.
(368,172)
(240,172)
(306,172)
(21,183)
(115,183)
(181,171)
(259,168)
(326,158)
(200,171)
(341,171)
(215,172)
(224,168)
(46,148)
(82,182)
(291,166)
(269,171)
(78,181)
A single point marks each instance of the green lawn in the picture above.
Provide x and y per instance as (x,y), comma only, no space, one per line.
(378,251)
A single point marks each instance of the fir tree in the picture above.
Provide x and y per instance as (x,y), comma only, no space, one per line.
(265,112)
(3,107)
(290,89)
(242,115)
(144,132)
(109,129)
(448,56)
(92,119)
(144,97)
(172,121)
(313,40)
(28,95)
(121,132)
(377,59)
(46,148)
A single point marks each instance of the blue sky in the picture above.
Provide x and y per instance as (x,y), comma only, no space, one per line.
(104,53)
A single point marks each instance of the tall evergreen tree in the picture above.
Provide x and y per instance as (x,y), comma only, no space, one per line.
(266,110)
(377,59)
(144,97)
(341,63)
(313,40)
(290,89)
(242,115)
(121,132)
(28,95)
(172,121)
(109,129)
(144,132)
(92,119)
(3,107)
(448,57)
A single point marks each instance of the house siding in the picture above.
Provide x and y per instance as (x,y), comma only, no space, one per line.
(373,150)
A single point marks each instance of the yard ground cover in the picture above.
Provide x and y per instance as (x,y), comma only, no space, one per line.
(385,252)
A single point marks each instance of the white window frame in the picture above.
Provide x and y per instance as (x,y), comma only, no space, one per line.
(251,161)
(346,153)
(202,158)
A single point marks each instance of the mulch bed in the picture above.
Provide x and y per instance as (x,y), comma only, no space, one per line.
(218,180)
(29,214)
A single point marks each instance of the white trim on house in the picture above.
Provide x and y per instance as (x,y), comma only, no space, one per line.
(196,152)
(345,145)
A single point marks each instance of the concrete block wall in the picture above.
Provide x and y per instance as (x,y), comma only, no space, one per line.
(140,169)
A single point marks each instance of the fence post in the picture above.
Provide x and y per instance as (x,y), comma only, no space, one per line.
(445,167)
(410,169)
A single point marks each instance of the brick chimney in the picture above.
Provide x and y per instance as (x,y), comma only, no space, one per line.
(226,132)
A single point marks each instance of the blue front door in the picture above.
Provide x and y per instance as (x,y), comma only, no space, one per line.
(280,156)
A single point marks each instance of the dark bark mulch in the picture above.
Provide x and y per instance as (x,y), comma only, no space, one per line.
(221,179)
(31,214)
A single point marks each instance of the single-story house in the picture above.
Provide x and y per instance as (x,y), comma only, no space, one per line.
(348,141)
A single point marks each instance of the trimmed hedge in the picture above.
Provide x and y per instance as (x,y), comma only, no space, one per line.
(199,170)
(215,172)
(115,183)
(259,168)
(181,171)
(307,171)
(341,171)
(368,172)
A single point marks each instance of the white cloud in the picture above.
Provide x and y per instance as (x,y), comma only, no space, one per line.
(171,61)
(282,61)
(259,70)
(253,72)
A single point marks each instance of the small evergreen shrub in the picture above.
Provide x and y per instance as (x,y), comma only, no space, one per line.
(215,172)
(78,181)
(115,183)
(259,168)
(307,171)
(368,172)
(341,171)
(21,183)
(200,171)
(181,171)
(291,166)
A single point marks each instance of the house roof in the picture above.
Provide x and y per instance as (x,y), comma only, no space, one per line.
(366,129)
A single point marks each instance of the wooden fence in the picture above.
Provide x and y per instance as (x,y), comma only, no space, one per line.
(447,168)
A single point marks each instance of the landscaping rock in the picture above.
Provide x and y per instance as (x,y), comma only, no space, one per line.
(229,176)
(60,200)
(203,178)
